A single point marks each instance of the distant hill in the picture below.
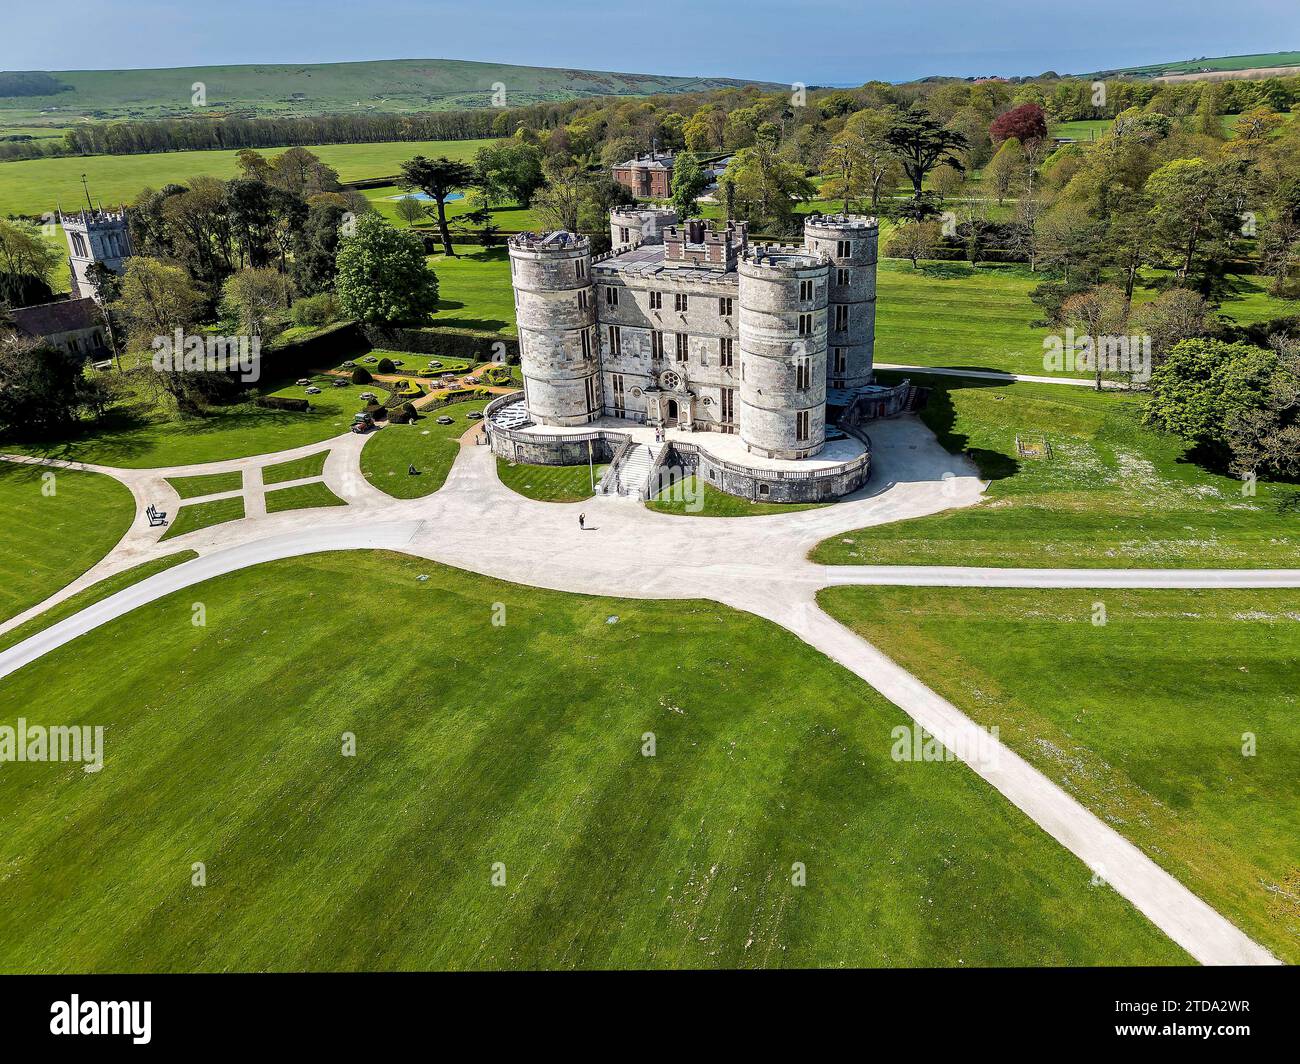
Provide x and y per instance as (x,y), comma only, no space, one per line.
(1263,65)
(386,86)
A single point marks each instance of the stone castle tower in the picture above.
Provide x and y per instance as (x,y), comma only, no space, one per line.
(94,236)
(782,333)
(851,245)
(555,306)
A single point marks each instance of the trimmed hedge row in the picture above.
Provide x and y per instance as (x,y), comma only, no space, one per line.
(469,344)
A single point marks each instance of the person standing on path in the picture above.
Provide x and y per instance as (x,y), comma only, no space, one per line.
(582,521)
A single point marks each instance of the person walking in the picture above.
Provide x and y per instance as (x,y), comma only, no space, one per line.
(582,521)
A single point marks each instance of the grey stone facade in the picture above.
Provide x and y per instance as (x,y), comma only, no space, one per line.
(689,326)
(94,236)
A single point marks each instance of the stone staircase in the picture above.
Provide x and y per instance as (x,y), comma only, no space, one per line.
(629,475)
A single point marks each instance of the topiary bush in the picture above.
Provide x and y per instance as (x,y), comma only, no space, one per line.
(361,375)
(385,366)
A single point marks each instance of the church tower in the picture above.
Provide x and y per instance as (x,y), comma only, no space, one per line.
(95,236)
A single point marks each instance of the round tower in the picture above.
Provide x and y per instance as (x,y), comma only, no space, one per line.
(850,243)
(630,227)
(782,333)
(555,307)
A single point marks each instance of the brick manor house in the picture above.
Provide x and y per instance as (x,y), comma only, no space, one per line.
(690,328)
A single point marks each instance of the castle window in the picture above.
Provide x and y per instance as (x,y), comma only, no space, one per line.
(805,324)
(840,361)
(728,404)
(586,344)
(611,296)
(615,340)
(581,266)
(763,489)
(618,394)
(844,249)
(682,339)
(842,277)
(656,344)
(591,394)
(841,316)
(679,302)
(805,290)
(724,307)
(656,301)
(801,374)
(582,299)
(801,425)
(623,235)
(724,352)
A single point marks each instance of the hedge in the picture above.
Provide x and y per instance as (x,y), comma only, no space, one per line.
(471,344)
(282,402)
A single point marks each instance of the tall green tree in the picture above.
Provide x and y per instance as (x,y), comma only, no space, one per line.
(922,143)
(382,276)
(437,179)
(689,183)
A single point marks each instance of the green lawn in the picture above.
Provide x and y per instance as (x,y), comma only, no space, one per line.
(34,186)
(206,484)
(766,754)
(1142,718)
(54,525)
(510,219)
(203,515)
(685,498)
(1113,494)
(549,483)
(414,364)
(301,497)
(313,465)
(96,592)
(143,433)
(474,290)
(432,448)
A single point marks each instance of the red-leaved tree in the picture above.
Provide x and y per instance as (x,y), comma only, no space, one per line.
(1026,122)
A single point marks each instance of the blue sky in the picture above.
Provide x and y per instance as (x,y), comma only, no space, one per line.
(812,41)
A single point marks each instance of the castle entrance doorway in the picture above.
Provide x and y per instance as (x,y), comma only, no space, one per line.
(671,419)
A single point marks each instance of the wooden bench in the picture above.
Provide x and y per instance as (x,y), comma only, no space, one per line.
(156,517)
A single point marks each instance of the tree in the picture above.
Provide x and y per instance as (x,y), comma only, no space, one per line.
(767,185)
(915,241)
(1005,168)
(315,246)
(1206,387)
(1192,205)
(437,179)
(39,388)
(509,171)
(1026,123)
(1097,315)
(254,296)
(846,163)
(560,201)
(27,264)
(876,157)
(689,182)
(157,299)
(921,144)
(410,210)
(1175,315)
(1266,438)
(1067,237)
(382,275)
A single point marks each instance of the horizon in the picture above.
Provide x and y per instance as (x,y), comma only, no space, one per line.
(929,39)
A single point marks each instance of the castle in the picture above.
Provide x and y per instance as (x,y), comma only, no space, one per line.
(690,327)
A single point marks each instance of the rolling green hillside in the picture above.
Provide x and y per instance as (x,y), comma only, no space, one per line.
(388,86)
(1263,61)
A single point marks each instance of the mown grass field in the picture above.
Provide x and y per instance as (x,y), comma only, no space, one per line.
(432,448)
(1114,494)
(766,754)
(312,465)
(1144,718)
(301,497)
(549,483)
(196,515)
(35,186)
(197,486)
(95,593)
(52,529)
